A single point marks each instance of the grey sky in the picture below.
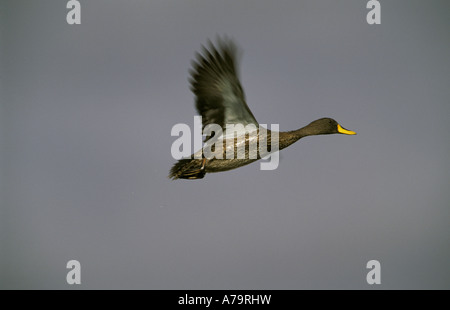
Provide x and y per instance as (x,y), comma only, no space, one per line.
(86,113)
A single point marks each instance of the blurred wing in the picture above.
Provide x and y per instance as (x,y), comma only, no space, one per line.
(219,95)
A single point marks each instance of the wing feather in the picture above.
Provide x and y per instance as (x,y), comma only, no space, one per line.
(219,95)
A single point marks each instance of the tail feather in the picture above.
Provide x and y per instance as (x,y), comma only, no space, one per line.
(187,169)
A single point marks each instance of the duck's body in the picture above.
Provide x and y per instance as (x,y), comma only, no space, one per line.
(185,167)
(220,100)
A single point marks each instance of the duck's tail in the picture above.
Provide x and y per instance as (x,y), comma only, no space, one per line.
(187,169)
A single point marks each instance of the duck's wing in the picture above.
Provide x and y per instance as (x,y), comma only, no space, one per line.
(219,95)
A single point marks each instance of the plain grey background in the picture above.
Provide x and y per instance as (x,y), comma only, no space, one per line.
(86,114)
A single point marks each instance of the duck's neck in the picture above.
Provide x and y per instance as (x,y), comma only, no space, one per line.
(289,137)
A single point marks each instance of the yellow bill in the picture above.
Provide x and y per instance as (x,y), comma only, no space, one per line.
(345,131)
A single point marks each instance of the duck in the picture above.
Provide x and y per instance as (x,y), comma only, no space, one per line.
(220,100)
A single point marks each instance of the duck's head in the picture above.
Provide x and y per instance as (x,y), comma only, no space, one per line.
(326,126)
